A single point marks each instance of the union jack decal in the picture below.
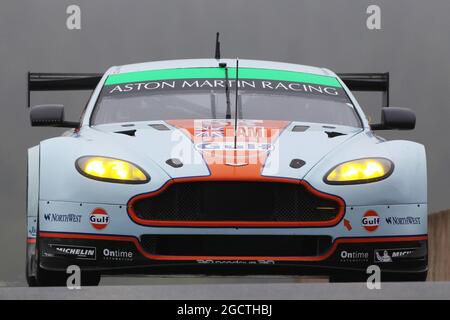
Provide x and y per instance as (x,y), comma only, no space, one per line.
(210,132)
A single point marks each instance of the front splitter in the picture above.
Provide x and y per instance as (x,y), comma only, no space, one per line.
(123,254)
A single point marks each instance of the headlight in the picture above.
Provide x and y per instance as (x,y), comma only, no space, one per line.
(111,170)
(360,171)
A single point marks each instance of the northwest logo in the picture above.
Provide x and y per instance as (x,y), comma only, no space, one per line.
(55,217)
(403,220)
(99,219)
(370,221)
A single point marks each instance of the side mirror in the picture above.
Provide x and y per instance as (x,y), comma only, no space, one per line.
(50,115)
(395,118)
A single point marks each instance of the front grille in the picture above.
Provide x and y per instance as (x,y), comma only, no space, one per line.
(236,201)
(236,246)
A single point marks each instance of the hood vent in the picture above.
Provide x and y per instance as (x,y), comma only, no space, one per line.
(297,163)
(300,128)
(159,126)
(130,133)
(333,134)
(176,163)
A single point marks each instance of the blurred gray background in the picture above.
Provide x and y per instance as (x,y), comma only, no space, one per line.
(413,44)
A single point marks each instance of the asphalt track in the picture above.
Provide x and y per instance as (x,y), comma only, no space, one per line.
(232,288)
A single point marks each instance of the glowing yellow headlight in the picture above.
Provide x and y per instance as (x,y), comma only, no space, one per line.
(360,171)
(110,169)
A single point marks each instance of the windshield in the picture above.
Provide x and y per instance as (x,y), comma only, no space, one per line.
(293,97)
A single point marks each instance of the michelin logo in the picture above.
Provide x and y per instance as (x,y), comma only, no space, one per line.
(382,258)
(77,252)
(389,255)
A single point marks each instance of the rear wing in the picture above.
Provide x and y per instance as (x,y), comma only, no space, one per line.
(378,82)
(61,82)
(375,82)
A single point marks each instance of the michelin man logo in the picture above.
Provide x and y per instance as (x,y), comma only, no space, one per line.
(383,258)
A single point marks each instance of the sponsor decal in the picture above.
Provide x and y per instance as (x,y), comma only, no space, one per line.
(209,132)
(219,84)
(99,218)
(56,217)
(192,75)
(370,221)
(244,146)
(236,162)
(117,254)
(220,123)
(32,232)
(214,136)
(403,220)
(236,261)
(354,256)
(390,255)
(250,123)
(77,252)
(347,225)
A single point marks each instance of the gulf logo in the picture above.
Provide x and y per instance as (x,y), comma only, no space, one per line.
(99,218)
(370,221)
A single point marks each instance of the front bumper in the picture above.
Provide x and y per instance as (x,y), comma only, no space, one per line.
(125,254)
(78,233)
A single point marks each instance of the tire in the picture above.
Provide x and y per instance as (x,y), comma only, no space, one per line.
(344,277)
(30,266)
(404,277)
(39,277)
(348,276)
(47,278)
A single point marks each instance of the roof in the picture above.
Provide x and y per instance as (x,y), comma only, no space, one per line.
(205,63)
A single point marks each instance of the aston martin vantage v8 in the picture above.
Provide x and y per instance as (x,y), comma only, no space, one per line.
(224,166)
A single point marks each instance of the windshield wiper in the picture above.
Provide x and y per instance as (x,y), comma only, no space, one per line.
(227,84)
(227,90)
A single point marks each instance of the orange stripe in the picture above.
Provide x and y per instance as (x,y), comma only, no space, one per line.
(266,131)
(190,258)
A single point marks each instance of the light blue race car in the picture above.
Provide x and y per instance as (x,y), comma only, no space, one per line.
(224,166)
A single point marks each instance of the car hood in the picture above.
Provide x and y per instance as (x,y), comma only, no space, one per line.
(253,150)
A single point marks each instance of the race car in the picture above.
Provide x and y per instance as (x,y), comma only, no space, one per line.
(224,166)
